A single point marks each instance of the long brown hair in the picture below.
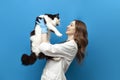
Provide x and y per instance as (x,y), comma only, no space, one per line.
(81,38)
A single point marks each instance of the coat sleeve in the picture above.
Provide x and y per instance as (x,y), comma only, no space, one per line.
(67,49)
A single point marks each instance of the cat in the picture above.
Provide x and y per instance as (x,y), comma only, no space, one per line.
(51,21)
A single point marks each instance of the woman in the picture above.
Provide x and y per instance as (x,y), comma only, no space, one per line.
(66,52)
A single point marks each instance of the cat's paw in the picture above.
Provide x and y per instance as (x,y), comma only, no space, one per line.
(59,34)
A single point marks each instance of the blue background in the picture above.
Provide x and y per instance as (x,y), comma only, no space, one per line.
(102,18)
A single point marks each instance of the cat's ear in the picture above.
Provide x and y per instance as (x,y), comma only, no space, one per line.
(57,14)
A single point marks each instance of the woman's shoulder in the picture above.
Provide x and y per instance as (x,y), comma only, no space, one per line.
(71,43)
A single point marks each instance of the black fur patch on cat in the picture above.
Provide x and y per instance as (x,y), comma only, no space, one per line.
(53,16)
(37,19)
(28,60)
(42,56)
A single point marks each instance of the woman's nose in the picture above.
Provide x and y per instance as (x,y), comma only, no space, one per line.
(68,26)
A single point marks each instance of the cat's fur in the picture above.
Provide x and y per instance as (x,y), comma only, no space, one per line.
(51,22)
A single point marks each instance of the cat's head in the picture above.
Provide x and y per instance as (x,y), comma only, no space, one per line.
(51,18)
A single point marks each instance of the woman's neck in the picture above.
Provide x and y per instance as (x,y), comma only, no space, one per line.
(70,37)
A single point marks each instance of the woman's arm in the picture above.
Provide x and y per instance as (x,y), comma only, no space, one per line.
(66,50)
(44,37)
(44,30)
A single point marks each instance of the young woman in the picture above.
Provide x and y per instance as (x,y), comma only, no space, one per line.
(75,45)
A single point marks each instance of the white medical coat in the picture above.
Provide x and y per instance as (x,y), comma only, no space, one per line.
(55,70)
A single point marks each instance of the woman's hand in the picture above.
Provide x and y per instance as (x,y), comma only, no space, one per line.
(44,37)
(44,31)
(42,25)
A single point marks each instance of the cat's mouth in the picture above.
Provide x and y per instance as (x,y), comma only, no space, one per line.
(57,24)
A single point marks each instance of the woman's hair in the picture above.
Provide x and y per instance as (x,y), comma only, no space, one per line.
(81,38)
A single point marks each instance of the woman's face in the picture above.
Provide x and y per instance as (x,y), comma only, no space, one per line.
(71,28)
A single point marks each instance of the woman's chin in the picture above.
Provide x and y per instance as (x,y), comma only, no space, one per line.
(66,32)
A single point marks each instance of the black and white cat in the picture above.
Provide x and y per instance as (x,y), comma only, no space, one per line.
(51,21)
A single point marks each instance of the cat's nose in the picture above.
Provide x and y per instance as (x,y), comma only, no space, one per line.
(57,24)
